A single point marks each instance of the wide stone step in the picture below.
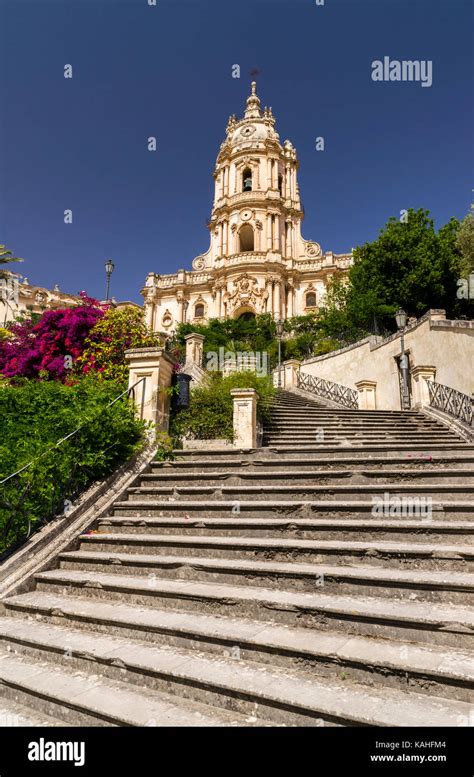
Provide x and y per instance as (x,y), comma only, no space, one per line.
(437,624)
(311,420)
(283,447)
(259,692)
(293,475)
(15,715)
(423,585)
(378,553)
(328,438)
(428,669)
(407,462)
(355,508)
(305,528)
(298,508)
(436,491)
(460,451)
(90,698)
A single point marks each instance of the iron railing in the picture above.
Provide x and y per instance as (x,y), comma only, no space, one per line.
(18,489)
(343,395)
(451,401)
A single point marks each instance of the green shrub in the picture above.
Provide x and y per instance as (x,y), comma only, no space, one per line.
(210,412)
(35,416)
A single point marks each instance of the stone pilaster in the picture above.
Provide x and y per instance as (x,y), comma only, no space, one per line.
(367,394)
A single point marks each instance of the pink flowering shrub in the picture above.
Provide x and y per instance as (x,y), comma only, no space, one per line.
(41,350)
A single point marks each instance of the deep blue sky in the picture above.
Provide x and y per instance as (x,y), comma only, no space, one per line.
(166,71)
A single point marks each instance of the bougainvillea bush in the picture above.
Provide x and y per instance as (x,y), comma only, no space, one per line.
(35,415)
(105,345)
(49,348)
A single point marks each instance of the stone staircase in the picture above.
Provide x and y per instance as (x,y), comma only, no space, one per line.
(258,588)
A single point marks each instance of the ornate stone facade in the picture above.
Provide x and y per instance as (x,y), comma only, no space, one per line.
(258,261)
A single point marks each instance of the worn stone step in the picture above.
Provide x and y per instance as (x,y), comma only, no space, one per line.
(356,508)
(344,445)
(462,452)
(437,624)
(437,491)
(406,665)
(370,528)
(268,694)
(307,438)
(356,462)
(308,476)
(296,421)
(446,586)
(89,697)
(15,715)
(379,553)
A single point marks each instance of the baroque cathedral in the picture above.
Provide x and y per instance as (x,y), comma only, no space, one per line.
(257,261)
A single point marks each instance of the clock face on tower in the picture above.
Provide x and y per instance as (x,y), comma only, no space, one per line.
(245,215)
(247,131)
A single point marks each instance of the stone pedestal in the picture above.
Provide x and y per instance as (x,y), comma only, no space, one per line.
(245,418)
(419,376)
(154,368)
(194,349)
(367,394)
(291,368)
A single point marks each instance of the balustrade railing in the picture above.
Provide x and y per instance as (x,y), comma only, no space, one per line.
(343,395)
(450,401)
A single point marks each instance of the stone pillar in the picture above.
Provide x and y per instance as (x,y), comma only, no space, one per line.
(269,232)
(290,373)
(226,238)
(289,231)
(276,234)
(154,368)
(367,395)
(269,173)
(245,417)
(277,299)
(194,349)
(419,376)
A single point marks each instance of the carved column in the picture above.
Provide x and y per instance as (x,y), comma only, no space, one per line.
(277,299)
(269,173)
(289,233)
(287,182)
(269,232)
(276,233)
(226,238)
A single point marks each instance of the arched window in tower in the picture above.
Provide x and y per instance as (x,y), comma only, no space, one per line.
(247,180)
(199,310)
(280,184)
(246,238)
(311,299)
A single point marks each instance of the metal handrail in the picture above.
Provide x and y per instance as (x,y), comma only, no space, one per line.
(451,401)
(342,395)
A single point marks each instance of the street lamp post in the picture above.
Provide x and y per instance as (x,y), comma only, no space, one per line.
(401,319)
(109,268)
(279,334)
